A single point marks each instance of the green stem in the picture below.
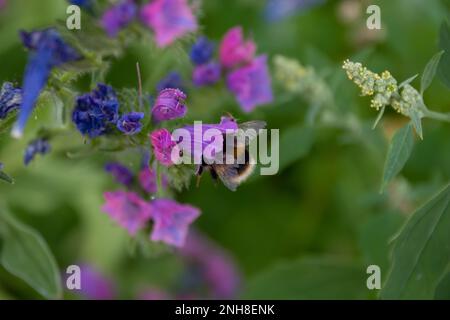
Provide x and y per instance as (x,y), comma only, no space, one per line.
(437,115)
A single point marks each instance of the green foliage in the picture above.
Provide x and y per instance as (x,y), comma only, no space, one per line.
(25,254)
(421,254)
(295,143)
(444,44)
(310,278)
(430,71)
(398,154)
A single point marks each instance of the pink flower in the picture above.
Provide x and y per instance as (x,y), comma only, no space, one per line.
(234,50)
(153,294)
(163,145)
(251,84)
(147,179)
(169,19)
(127,209)
(169,105)
(171,221)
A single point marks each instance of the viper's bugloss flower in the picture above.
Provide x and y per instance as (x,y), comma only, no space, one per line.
(127,209)
(215,265)
(95,285)
(82,3)
(251,84)
(130,123)
(169,19)
(96,111)
(172,80)
(163,145)
(234,50)
(276,10)
(372,84)
(118,17)
(10,99)
(206,74)
(148,180)
(171,221)
(48,50)
(202,51)
(169,105)
(37,146)
(121,173)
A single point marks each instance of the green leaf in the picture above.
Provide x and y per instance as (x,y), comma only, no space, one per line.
(443,288)
(313,278)
(295,143)
(444,44)
(407,81)
(399,151)
(5,177)
(430,71)
(421,254)
(416,117)
(25,254)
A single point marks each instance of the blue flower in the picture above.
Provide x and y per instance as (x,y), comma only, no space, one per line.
(202,51)
(10,99)
(130,123)
(34,147)
(206,74)
(173,81)
(82,3)
(48,50)
(96,111)
(118,17)
(277,10)
(121,173)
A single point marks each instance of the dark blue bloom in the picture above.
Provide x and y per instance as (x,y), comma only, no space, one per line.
(96,111)
(48,50)
(202,51)
(10,99)
(118,17)
(130,123)
(173,81)
(121,173)
(82,3)
(34,147)
(276,10)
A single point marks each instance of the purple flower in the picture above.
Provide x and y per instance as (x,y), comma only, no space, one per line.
(234,50)
(37,146)
(148,180)
(169,105)
(163,146)
(172,80)
(171,221)
(48,50)
(153,294)
(216,266)
(202,51)
(10,99)
(251,84)
(118,17)
(94,285)
(169,19)
(96,111)
(206,74)
(130,123)
(3,4)
(127,209)
(121,173)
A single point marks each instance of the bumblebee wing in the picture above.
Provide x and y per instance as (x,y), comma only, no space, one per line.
(255,124)
(227,174)
(250,130)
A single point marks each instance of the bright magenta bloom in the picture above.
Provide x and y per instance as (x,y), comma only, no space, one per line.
(251,84)
(171,221)
(234,50)
(127,209)
(169,105)
(163,145)
(169,19)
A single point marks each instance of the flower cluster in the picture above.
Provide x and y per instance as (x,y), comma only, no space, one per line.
(95,113)
(247,76)
(301,80)
(168,19)
(409,99)
(48,50)
(382,88)
(10,99)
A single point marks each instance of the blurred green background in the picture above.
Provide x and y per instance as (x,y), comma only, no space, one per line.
(320,218)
